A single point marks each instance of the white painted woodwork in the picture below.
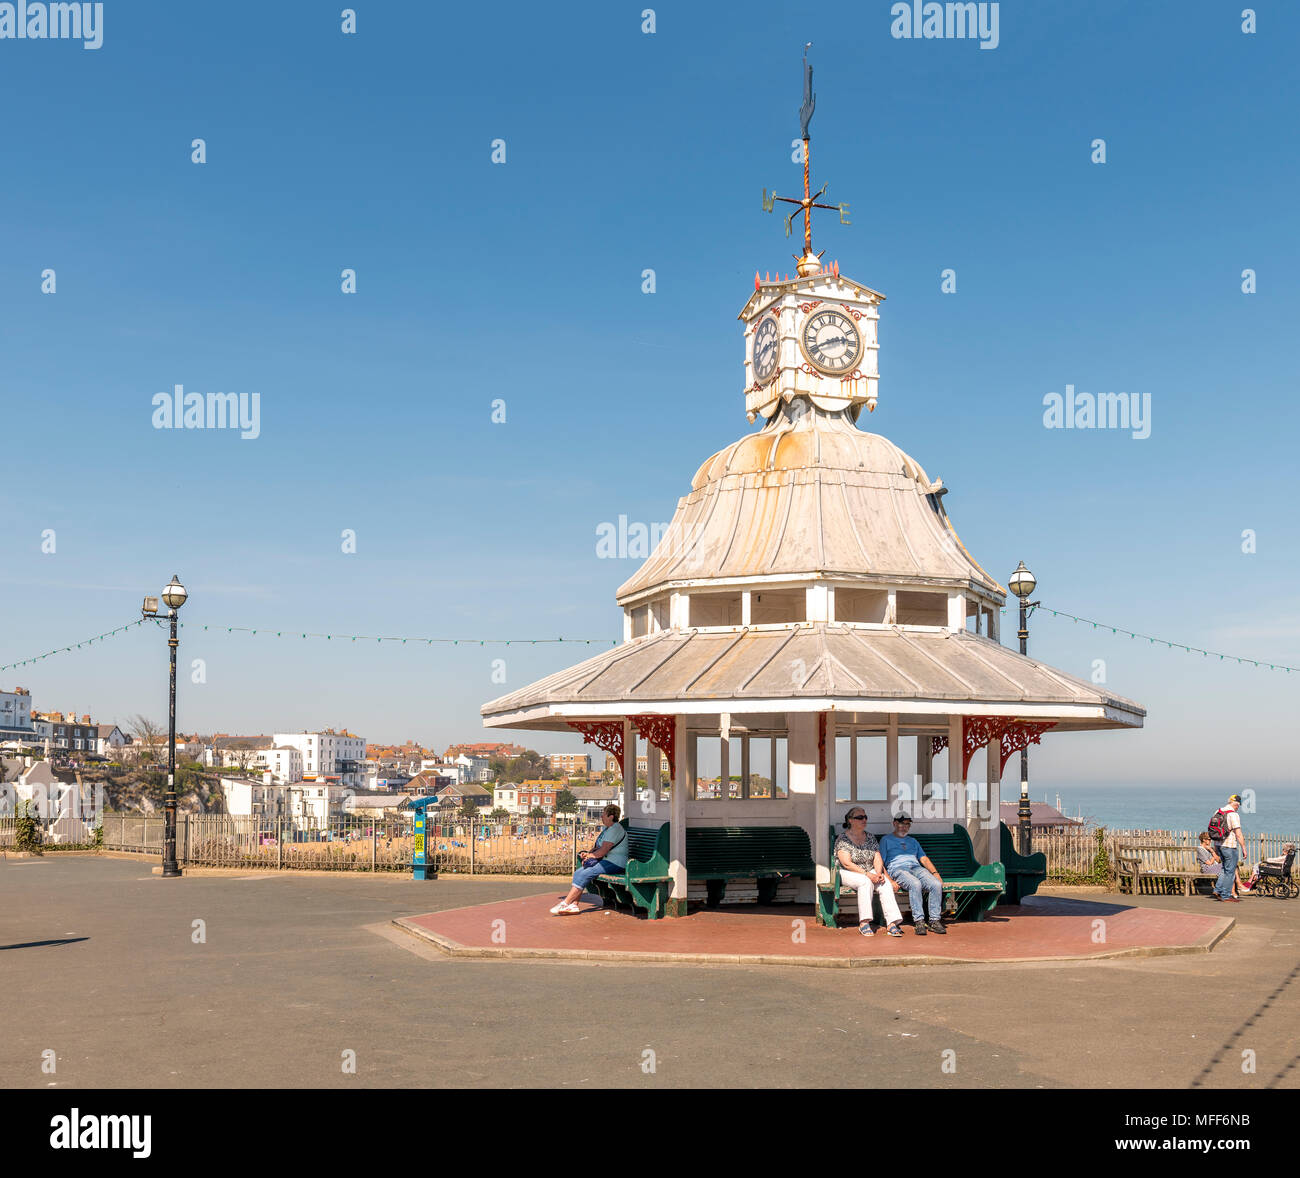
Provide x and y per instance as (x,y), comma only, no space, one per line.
(683,775)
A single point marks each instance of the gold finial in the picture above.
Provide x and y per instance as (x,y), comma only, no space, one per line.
(810,262)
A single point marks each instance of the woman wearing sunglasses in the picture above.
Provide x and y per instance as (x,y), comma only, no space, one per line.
(858,856)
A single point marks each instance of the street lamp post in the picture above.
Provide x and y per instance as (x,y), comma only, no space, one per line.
(1023,583)
(173,597)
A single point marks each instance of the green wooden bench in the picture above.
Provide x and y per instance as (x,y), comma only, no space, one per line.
(767,854)
(1024,872)
(974,886)
(1167,863)
(646,883)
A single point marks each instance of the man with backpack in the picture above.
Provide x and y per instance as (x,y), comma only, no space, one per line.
(1229,840)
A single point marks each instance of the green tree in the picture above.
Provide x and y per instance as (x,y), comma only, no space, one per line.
(565,802)
(537,812)
(500,814)
(468,809)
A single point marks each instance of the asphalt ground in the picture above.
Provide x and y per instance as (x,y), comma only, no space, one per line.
(103,965)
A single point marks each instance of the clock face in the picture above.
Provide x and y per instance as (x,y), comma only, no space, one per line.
(831,342)
(766,349)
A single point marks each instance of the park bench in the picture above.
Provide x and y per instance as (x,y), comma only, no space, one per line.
(1024,872)
(1135,863)
(766,854)
(646,883)
(974,887)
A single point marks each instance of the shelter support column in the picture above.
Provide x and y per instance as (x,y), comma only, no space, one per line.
(991,819)
(821,844)
(809,803)
(629,766)
(924,771)
(956,778)
(897,796)
(653,779)
(677,817)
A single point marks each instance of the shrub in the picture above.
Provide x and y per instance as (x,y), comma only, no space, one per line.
(27,832)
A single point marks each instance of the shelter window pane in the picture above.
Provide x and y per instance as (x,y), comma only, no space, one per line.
(775,606)
(714,609)
(922,609)
(872,764)
(861,605)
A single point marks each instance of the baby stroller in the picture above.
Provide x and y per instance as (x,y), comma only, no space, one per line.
(1275,879)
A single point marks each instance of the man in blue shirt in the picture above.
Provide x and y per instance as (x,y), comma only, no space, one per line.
(907,865)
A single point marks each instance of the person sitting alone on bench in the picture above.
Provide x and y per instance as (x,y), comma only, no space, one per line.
(909,866)
(607,857)
(1207,860)
(861,869)
(1275,860)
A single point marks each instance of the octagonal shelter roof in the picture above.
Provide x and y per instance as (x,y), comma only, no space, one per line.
(813,667)
(811,494)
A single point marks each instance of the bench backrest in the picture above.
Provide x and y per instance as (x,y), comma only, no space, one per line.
(951,853)
(736,849)
(1035,862)
(644,843)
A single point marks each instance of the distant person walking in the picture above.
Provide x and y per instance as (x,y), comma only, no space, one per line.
(1225,830)
(607,857)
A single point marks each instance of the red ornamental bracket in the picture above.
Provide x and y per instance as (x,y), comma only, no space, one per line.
(604,734)
(1021,734)
(977,731)
(660,731)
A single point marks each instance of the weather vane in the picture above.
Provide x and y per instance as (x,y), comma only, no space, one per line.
(810,198)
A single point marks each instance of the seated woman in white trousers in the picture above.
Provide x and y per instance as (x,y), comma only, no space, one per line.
(861,869)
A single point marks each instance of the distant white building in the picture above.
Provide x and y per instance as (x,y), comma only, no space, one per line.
(301,804)
(284,763)
(16,716)
(109,739)
(328,754)
(506,797)
(245,798)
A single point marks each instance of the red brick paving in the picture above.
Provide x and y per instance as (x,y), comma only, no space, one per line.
(1043,928)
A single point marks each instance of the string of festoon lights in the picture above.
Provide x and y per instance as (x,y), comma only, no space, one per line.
(1232,658)
(270,631)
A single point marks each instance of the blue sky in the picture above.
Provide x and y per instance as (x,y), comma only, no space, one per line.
(522,281)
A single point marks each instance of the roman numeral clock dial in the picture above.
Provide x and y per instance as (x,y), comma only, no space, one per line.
(831,342)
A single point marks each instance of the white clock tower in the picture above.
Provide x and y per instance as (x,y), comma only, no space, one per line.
(812,334)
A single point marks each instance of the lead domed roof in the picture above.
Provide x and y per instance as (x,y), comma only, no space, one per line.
(811,494)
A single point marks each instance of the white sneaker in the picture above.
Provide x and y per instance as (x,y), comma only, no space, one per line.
(561,908)
(568,909)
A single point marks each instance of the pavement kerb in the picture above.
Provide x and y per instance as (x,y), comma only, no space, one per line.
(454,948)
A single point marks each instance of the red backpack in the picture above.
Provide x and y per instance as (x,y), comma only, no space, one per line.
(1218,827)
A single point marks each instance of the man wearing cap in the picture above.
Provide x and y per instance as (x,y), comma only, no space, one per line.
(908,865)
(1230,851)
